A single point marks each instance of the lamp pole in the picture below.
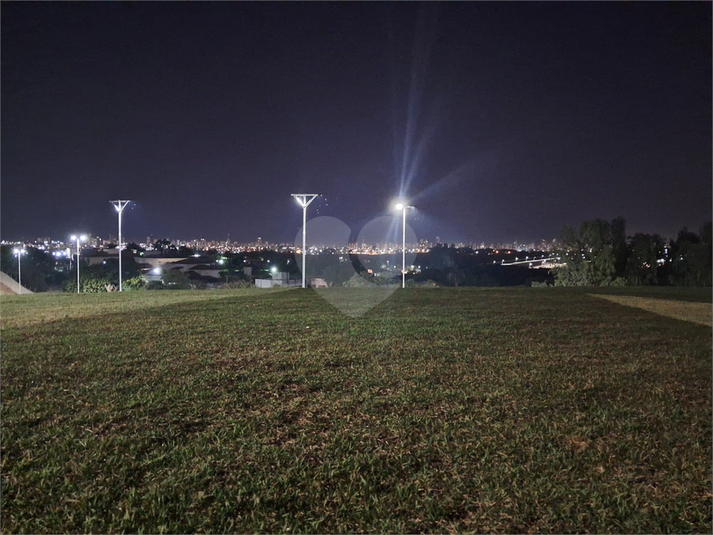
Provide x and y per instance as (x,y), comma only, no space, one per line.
(403,251)
(19,253)
(83,237)
(402,206)
(304,203)
(120,205)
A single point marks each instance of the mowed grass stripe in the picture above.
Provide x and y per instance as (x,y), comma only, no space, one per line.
(438,411)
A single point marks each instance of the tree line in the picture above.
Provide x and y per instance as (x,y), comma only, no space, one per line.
(600,254)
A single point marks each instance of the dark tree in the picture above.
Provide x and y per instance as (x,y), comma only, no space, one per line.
(645,250)
(38,268)
(690,258)
(595,257)
(619,246)
(135,248)
(161,245)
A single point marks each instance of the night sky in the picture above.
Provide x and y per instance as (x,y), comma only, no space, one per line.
(499,121)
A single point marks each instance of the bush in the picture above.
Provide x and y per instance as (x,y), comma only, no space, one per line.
(176,280)
(134,283)
(386,280)
(87,286)
(198,285)
(538,284)
(357,281)
(154,285)
(233,285)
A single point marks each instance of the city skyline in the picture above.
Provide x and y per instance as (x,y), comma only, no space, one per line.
(496,120)
(202,244)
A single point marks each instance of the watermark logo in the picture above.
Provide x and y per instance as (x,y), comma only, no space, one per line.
(355,276)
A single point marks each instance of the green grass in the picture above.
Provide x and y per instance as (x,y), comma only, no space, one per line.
(440,410)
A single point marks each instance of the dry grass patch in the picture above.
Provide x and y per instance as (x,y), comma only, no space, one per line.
(681,310)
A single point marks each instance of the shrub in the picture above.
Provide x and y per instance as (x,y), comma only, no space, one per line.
(87,286)
(198,285)
(134,283)
(232,285)
(176,280)
(357,281)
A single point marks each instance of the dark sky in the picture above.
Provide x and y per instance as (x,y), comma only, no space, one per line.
(500,121)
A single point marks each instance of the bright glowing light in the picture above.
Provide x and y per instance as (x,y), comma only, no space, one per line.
(274,269)
(399,206)
(73,237)
(156,271)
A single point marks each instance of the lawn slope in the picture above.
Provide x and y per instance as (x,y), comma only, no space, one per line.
(440,410)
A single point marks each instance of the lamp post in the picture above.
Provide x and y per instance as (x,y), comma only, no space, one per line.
(402,207)
(19,253)
(120,205)
(77,238)
(304,203)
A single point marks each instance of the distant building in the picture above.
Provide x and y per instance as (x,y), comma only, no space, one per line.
(280,279)
(159,261)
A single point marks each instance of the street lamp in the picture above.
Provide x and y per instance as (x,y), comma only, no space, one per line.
(83,237)
(19,253)
(119,205)
(400,206)
(304,203)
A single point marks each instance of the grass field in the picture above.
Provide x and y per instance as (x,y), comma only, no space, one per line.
(440,410)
